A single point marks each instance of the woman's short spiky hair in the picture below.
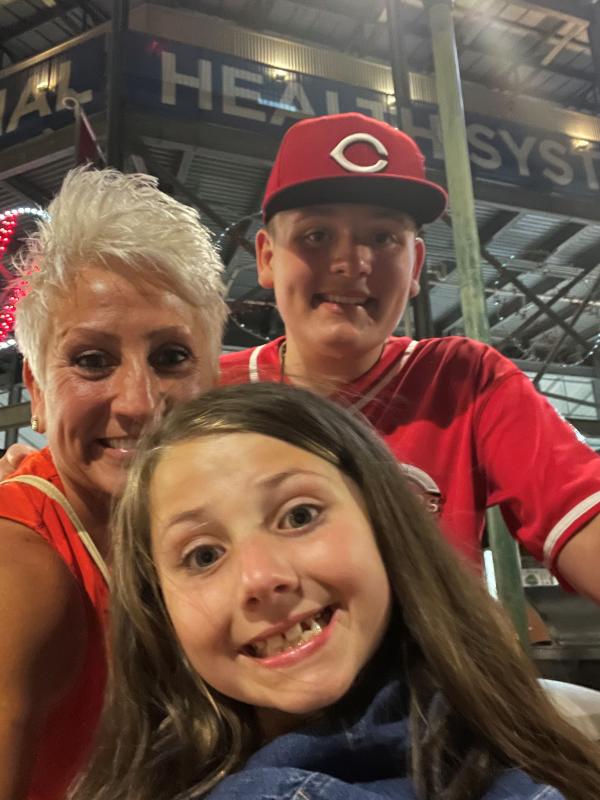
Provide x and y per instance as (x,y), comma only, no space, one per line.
(108,219)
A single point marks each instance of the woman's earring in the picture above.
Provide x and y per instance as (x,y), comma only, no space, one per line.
(35,423)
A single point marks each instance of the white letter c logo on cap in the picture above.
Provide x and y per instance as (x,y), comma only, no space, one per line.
(338,153)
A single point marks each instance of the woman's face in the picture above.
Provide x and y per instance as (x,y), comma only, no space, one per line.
(269,570)
(119,352)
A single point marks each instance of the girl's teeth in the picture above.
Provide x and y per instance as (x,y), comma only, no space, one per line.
(294,634)
(275,644)
(300,632)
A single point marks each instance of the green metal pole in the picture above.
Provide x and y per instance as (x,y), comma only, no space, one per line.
(507,563)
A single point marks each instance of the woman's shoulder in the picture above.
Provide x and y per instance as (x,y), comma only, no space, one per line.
(24,504)
(40,464)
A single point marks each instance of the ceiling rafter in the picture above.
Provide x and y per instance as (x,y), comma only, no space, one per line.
(586,262)
(26,24)
(547,246)
(567,9)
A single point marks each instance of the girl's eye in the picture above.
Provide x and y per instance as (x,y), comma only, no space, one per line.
(299,516)
(169,357)
(92,360)
(203,556)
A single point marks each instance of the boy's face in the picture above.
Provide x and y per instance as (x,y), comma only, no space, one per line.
(342,276)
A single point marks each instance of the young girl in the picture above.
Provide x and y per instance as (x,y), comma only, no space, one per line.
(288,624)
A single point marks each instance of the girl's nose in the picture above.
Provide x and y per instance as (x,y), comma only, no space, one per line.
(268,576)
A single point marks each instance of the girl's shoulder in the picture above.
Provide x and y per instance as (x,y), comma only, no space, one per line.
(288,783)
(514,784)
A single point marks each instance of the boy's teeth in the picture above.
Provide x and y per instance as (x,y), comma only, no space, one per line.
(299,633)
(338,298)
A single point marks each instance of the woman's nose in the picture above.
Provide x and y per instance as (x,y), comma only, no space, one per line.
(137,393)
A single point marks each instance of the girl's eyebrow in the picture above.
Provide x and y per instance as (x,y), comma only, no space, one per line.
(198,514)
(273,481)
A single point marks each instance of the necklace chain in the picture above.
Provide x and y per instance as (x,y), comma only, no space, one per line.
(282,353)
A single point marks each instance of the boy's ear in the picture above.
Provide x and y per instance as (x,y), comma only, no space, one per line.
(38,404)
(264,258)
(420,253)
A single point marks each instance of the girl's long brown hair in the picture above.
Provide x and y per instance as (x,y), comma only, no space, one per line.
(475,704)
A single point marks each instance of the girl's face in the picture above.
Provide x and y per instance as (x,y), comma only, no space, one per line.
(269,570)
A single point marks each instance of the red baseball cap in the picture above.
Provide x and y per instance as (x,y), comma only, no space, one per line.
(351,158)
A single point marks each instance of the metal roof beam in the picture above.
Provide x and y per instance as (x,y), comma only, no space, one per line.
(35,20)
(586,262)
(176,186)
(560,341)
(548,245)
(566,8)
(28,190)
(498,222)
(594,36)
(545,325)
(97,15)
(257,12)
(515,303)
(525,60)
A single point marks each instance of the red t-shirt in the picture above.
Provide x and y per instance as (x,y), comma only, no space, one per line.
(470,431)
(66,737)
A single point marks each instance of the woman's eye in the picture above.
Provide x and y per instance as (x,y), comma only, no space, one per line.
(203,556)
(169,357)
(93,360)
(299,516)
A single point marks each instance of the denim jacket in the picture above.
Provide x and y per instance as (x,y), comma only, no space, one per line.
(365,761)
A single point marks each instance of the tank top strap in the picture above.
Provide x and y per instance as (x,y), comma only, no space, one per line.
(55,494)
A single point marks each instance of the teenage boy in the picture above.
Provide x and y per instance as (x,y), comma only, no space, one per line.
(344,204)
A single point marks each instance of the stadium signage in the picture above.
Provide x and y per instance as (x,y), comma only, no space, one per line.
(180,80)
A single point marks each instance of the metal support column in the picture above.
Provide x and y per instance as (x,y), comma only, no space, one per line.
(115,132)
(14,399)
(421,305)
(594,37)
(397,55)
(466,242)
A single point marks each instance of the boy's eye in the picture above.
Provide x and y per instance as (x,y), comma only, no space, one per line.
(384,237)
(203,556)
(316,236)
(168,357)
(299,516)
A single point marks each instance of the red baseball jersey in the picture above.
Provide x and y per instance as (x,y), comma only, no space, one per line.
(470,431)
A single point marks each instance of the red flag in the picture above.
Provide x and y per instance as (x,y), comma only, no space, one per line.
(87,148)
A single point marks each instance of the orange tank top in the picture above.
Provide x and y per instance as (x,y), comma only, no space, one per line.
(66,737)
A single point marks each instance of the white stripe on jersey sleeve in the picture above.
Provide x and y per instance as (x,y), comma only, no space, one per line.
(562,525)
(253,365)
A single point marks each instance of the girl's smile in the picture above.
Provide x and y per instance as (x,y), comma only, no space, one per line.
(271,574)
